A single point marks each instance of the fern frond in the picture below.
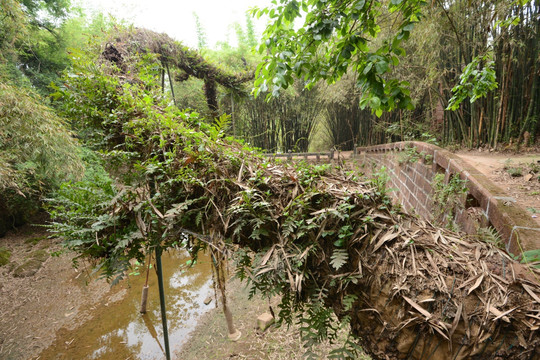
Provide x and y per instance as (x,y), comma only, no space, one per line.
(339,258)
(221,124)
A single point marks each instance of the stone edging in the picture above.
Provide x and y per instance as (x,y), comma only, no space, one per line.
(517,229)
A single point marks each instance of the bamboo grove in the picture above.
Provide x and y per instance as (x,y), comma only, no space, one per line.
(511,110)
(450,37)
(502,34)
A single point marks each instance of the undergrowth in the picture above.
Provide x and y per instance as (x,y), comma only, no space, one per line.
(448,198)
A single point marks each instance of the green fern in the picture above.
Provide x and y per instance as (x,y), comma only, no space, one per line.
(349,350)
(348,301)
(339,258)
(221,125)
(492,236)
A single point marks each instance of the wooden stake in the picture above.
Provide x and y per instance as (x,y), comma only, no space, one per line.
(144,295)
(218,263)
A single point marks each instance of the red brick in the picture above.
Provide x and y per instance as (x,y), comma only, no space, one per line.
(422,183)
(440,159)
(455,167)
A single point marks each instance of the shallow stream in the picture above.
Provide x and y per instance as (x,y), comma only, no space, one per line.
(118,331)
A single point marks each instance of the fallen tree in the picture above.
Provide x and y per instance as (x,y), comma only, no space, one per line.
(324,239)
(187,61)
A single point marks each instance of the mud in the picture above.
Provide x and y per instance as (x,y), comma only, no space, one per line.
(59,312)
(34,307)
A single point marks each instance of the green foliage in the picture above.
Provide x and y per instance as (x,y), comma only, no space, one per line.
(534,167)
(409,155)
(202,43)
(308,173)
(220,126)
(335,37)
(177,174)
(43,56)
(37,152)
(36,37)
(13,29)
(531,257)
(379,180)
(492,236)
(316,325)
(251,36)
(515,171)
(447,198)
(81,214)
(339,258)
(43,12)
(133,126)
(445,50)
(477,79)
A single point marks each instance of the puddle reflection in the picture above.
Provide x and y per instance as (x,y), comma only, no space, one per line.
(119,331)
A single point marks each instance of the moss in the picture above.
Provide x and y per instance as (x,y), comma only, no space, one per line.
(40,255)
(5,254)
(28,268)
(32,264)
(35,240)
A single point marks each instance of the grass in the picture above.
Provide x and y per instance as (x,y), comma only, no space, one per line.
(518,170)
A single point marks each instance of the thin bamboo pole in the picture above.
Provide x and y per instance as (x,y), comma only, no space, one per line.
(162,303)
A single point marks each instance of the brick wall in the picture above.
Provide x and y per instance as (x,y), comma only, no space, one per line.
(484,205)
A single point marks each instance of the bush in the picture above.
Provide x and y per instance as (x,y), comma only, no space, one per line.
(37,153)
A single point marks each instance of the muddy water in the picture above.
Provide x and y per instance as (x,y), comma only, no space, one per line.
(117,329)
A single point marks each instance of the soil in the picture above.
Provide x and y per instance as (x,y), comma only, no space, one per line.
(41,293)
(51,297)
(517,174)
(210,340)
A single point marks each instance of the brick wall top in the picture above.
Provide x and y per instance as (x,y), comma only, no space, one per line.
(513,223)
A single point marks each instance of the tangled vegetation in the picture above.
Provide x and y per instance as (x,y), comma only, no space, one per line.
(324,241)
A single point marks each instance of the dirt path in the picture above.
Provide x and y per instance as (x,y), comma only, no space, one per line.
(516,174)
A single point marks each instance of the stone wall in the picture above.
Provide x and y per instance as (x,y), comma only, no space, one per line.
(485,205)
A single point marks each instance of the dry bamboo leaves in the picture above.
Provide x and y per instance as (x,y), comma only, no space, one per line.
(473,307)
(531,292)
